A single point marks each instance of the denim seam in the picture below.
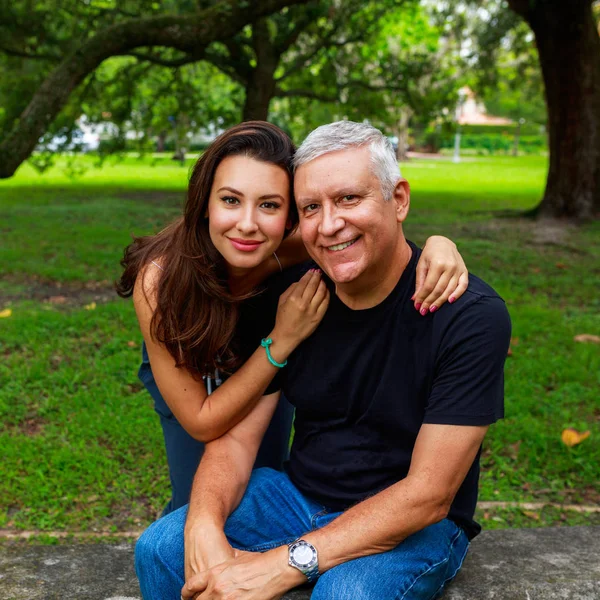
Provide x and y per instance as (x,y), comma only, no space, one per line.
(445,560)
(268,545)
(459,564)
(313,519)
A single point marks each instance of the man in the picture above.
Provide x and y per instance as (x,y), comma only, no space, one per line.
(378,497)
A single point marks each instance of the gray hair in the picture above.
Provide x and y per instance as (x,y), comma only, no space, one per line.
(342,135)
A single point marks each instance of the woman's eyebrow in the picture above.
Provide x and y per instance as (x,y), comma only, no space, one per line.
(269,196)
(238,193)
(230,189)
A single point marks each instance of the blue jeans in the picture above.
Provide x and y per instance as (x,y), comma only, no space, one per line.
(273,513)
(184,452)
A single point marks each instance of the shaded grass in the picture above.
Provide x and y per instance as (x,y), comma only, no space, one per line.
(81,447)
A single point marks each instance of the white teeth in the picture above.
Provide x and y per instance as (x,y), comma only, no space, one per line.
(339,247)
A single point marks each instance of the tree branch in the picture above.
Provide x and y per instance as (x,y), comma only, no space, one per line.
(188,33)
(299,93)
(23,54)
(166,62)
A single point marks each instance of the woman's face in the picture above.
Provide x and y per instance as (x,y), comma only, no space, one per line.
(248,211)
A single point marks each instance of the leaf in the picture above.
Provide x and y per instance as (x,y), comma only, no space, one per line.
(560,265)
(531,514)
(91,306)
(57,299)
(572,437)
(7,312)
(587,337)
(131,344)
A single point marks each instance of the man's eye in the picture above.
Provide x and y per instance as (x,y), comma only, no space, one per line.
(230,200)
(310,208)
(349,197)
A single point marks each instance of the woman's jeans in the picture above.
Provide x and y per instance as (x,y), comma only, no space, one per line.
(273,513)
(184,452)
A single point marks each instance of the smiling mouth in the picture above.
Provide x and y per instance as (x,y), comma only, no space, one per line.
(245,245)
(343,245)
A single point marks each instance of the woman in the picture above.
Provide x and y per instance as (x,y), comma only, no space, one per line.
(190,282)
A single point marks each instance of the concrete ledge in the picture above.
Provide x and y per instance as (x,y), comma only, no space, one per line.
(519,564)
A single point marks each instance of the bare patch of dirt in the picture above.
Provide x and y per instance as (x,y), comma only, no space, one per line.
(32,427)
(152,196)
(72,294)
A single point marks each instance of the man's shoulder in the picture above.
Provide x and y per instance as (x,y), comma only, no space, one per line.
(480,307)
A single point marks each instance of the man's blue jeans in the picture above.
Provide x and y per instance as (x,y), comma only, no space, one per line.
(273,513)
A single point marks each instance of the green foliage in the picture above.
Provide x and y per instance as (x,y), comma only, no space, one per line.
(81,445)
(493,143)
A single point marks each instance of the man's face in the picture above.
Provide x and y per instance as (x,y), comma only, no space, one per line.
(346,225)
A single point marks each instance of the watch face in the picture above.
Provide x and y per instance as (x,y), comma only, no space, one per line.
(303,555)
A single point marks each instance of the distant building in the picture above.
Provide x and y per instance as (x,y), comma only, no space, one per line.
(472,111)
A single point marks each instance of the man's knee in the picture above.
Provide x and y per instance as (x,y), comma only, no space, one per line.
(162,542)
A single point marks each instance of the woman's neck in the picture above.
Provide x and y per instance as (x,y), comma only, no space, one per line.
(239,280)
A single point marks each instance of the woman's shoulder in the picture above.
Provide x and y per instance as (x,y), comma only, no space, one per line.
(146,282)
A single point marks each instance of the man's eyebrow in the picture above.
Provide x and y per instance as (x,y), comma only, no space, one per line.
(353,191)
(303,201)
(230,189)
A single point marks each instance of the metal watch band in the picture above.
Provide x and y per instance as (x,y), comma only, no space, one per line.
(310,571)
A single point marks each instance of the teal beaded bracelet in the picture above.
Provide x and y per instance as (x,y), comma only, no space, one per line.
(265,344)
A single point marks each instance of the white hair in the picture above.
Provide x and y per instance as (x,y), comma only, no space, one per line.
(342,135)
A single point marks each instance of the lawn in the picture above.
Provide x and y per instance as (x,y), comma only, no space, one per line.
(81,447)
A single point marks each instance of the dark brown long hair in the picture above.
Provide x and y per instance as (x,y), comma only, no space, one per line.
(196,314)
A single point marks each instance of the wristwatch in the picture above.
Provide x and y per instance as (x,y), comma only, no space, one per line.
(302,555)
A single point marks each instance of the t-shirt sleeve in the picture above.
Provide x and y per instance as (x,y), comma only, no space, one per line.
(468,384)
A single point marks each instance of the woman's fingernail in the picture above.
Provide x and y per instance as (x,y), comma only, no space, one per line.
(451,299)
(433,309)
(418,305)
(423,311)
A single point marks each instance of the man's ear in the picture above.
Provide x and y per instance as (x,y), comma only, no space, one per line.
(401,197)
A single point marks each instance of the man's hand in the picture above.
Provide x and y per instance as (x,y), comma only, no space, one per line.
(247,576)
(205,547)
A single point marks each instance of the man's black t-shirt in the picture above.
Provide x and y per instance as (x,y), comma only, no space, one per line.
(366,380)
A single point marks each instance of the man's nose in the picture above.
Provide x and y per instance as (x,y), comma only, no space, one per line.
(331,222)
(247,223)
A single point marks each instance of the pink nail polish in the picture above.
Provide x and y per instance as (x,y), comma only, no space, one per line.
(451,299)
(433,309)
(418,305)
(423,311)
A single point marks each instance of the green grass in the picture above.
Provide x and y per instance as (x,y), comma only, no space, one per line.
(81,446)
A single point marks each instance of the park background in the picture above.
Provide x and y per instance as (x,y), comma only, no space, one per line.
(105,105)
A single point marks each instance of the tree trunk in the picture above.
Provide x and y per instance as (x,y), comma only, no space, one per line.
(569,51)
(515,150)
(261,84)
(188,33)
(401,132)
(160,142)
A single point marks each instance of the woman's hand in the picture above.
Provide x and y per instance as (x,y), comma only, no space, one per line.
(301,308)
(441,275)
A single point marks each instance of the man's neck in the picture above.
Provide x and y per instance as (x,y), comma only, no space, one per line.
(373,288)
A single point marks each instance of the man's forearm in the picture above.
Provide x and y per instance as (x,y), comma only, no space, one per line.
(377,524)
(219,483)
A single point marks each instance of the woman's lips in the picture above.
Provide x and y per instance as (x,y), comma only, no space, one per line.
(244,245)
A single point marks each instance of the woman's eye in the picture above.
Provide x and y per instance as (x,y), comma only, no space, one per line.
(230,200)
(270,205)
